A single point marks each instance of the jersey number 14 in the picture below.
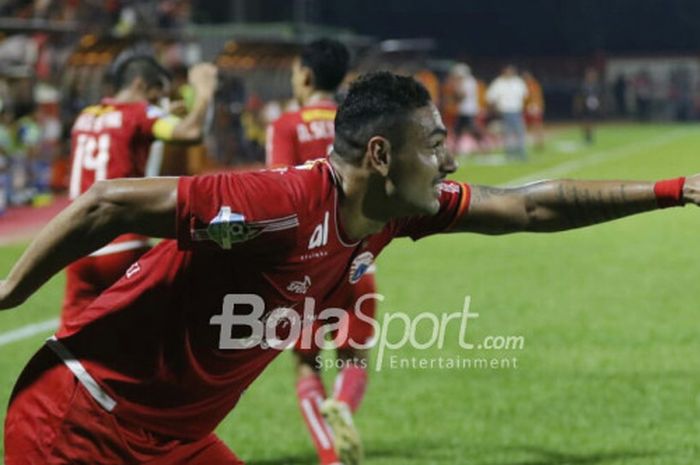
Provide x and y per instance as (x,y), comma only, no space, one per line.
(91,154)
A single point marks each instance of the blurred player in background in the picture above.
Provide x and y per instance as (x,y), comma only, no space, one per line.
(534,108)
(590,96)
(297,137)
(112,140)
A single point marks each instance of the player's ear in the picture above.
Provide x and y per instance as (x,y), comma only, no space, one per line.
(379,154)
(308,77)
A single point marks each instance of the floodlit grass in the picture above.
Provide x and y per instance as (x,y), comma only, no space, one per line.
(609,315)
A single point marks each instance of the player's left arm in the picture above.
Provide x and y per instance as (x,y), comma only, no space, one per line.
(107,210)
(558,205)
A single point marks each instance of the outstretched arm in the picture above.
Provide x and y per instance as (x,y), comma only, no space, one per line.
(107,210)
(558,205)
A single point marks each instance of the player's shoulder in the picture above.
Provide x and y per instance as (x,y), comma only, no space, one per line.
(309,175)
(138,108)
(288,118)
(311,184)
(92,109)
(300,186)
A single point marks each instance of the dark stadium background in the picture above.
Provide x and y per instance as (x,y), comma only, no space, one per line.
(477,28)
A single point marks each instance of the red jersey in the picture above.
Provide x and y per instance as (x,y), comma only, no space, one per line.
(111,140)
(158,342)
(303,135)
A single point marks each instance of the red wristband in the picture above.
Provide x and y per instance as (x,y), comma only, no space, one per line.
(669,192)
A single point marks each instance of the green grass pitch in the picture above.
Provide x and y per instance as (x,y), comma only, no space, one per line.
(610,369)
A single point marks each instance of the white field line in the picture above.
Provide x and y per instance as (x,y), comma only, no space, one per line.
(33,329)
(598,157)
(27,331)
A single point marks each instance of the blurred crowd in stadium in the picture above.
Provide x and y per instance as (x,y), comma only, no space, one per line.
(56,58)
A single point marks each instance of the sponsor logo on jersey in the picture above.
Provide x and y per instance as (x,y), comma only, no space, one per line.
(228,228)
(314,254)
(359,266)
(300,287)
(319,238)
(132,270)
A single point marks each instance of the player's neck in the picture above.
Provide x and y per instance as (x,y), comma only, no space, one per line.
(318,96)
(360,212)
(128,95)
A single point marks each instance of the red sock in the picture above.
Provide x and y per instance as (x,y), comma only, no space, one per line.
(311,393)
(350,386)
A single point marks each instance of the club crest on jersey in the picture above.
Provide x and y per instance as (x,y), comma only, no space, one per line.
(300,287)
(228,228)
(319,238)
(359,266)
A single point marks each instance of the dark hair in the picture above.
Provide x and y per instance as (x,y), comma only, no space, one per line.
(377,104)
(328,59)
(143,66)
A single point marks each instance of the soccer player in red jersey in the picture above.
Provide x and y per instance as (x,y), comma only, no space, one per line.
(297,137)
(160,358)
(112,140)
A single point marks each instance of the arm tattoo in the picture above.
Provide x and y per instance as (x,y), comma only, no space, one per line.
(483,193)
(555,205)
(581,203)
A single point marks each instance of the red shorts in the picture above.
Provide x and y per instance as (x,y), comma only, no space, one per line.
(88,277)
(533,118)
(53,420)
(359,331)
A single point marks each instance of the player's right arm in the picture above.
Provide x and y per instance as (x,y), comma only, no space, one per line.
(107,210)
(559,205)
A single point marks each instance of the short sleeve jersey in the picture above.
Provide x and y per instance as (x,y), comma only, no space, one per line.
(159,341)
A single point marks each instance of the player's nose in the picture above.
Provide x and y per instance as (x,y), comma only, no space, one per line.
(448,163)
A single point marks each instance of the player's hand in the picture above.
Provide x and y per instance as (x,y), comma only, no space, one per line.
(203,77)
(691,189)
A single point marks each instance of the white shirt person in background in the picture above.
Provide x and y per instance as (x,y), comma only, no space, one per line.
(507,95)
(467,90)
